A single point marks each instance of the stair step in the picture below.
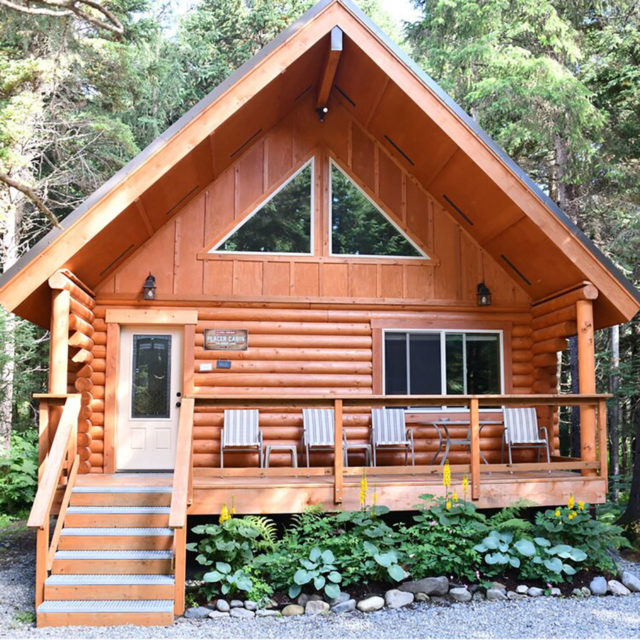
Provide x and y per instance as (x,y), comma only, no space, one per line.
(112,561)
(117,495)
(109,587)
(105,612)
(117,516)
(92,538)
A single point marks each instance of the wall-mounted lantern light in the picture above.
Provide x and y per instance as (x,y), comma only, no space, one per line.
(149,289)
(484,295)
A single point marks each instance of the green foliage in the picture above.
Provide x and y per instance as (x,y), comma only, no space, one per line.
(225,581)
(319,572)
(19,473)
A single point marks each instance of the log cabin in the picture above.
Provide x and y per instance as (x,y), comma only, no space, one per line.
(325,229)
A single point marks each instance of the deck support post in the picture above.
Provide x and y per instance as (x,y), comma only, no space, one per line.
(338,468)
(59,357)
(179,569)
(474,417)
(602,442)
(587,380)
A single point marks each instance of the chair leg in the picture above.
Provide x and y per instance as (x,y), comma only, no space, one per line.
(510,456)
(413,455)
(221,457)
(406,454)
(548,455)
(260,458)
(373,449)
(308,460)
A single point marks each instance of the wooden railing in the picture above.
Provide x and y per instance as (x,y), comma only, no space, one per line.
(181,497)
(593,460)
(59,412)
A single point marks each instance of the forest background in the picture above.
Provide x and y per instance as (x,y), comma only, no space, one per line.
(85,85)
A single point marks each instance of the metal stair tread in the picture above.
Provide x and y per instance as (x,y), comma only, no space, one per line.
(106,606)
(154,579)
(121,489)
(114,554)
(74,509)
(116,531)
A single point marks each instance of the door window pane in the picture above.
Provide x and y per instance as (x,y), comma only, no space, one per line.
(395,363)
(151,378)
(483,363)
(425,373)
(455,363)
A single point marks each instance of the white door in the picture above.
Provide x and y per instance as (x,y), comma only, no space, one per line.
(148,389)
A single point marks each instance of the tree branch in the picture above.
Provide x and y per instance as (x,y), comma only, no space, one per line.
(31,194)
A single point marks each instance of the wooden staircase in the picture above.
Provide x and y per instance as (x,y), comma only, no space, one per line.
(114,563)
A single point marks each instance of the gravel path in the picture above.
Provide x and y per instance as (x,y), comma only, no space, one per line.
(531,618)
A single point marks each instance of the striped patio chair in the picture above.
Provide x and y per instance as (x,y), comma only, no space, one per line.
(241,433)
(319,432)
(389,431)
(521,432)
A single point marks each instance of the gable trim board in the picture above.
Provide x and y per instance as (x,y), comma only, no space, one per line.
(104,206)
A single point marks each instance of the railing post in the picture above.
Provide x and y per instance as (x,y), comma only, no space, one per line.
(602,442)
(474,416)
(179,559)
(42,553)
(44,435)
(338,453)
(587,381)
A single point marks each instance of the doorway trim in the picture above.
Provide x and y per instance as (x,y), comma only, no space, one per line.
(114,318)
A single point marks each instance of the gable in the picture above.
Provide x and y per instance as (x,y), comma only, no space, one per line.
(407,114)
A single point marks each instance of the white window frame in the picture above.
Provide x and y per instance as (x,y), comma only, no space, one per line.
(216,248)
(422,256)
(443,361)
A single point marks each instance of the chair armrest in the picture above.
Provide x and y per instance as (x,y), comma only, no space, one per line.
(344,436)
(260,437)
(409,434)
(546,433)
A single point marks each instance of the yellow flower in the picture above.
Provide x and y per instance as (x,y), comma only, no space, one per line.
(446,475)
(572,515)
(233,506)
(364,488)
(571,501)
(558,513)
(374,497)
(224,514)
(448,505)
(465,486)
(580,505)
(454,496)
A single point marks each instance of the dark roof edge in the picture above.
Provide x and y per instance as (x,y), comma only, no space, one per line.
(161,140)
(453,106)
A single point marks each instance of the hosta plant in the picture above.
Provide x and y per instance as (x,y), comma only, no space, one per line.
(225,581)
(318,571)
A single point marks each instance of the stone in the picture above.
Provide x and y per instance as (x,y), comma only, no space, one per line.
(496,594)
(303,598)
(585,592)
(522,588)
(343,596)
(251,605)
(617,588)
(431,586)
(218,614)
(237,603)
(315,607)
(344,607)
(197,612)
(422,597)
(394,598)
(266,613)
(443,600)
(499,585)
(292,610)
(222,605)
(241,612)
(371,604)
(478,595)
(555,592)
(271,604)
(598,586)
(630,581)
(577,593)
(512,595)
(534,592)
(460,594)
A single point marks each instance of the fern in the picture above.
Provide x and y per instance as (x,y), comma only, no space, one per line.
(514,525)
(268,531)
(510,513)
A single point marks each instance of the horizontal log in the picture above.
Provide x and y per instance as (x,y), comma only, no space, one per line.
(541,386)
(84,425)
(97,405)
(95,470)
(82,356)
(297,366)
(76,323)
(555,317)
(282,379)
(99,364)
(522,380)
(100,311)
(96,459)
(99,352)
(99,324)
(96,446)
(97,419)
(545,360)
(277,354)
(85,467)
(100,337)
(84,439)
(282,315)
(84,453)
(240,392)
(562,330)
(292,328)
(97,433)
(585,292)
(80,341)
(521,343)
(84,371)
(521,330)
(549,346)
(83,384)
(521,355)
(522,368)
(80,310)
(308,341)
(60,281)
(98,392)
(98,378)
(85,412)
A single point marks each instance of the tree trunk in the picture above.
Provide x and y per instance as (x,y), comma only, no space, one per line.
(576,450)
(614,412)
(632,513)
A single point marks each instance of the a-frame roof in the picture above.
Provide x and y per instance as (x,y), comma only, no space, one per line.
(491,197)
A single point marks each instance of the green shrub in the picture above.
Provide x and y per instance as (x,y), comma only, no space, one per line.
(317,571)
(222,579)
(19,473)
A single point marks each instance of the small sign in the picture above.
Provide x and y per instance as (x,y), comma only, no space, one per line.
(223,364)
(206,366)
(226,339)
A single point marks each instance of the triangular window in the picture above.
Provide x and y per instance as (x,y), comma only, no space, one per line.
(361,228)
(282,224)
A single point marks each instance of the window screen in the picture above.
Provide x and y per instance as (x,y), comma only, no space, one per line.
(151,377)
